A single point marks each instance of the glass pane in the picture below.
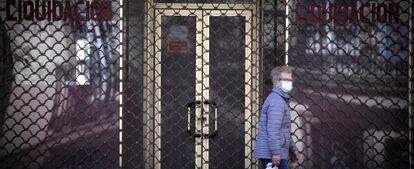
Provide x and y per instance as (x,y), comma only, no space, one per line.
(227,57)
(177,89)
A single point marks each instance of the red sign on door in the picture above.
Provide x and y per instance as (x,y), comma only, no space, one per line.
(178,46)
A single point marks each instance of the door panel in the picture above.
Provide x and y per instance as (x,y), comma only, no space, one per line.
(177,89)
(202,89)
(227,84)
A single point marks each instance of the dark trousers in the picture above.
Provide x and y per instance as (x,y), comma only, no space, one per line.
(283,163)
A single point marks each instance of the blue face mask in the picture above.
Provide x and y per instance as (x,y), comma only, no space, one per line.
(286,86)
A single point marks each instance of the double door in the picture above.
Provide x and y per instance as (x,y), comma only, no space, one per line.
(203,88)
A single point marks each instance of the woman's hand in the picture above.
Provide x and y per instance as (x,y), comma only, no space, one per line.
(276,159)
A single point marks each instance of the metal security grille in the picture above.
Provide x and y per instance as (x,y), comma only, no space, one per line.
(351,61)
(201,87)
(179,84)
(59,84)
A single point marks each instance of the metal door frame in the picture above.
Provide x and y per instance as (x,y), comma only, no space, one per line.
(152,69)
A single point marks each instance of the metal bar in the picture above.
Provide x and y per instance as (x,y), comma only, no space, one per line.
(244,13)
(215,119)
(183,12)
(205,71)
(204,6)
(248,87)
(188,119)
(148,86)
(121,72)
(287,23)
(157,90)
(257,26)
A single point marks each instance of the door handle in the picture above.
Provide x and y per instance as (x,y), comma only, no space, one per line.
(189,106)
(214,105)
(194,104)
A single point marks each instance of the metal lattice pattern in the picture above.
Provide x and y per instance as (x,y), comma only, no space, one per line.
(60,84)
(351,98)
(194,76)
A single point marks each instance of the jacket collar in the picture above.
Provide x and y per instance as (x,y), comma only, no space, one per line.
(281,93)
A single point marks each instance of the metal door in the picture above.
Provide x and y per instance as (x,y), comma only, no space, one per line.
(201,89)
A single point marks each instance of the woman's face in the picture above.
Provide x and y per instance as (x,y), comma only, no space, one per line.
(282,77)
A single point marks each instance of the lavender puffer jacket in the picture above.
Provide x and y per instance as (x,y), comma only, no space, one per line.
(274,135)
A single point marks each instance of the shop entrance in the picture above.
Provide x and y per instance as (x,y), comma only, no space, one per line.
(203,89)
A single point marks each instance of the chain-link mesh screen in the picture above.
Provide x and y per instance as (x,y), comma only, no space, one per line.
(351,65)
(194,76)
(60,84)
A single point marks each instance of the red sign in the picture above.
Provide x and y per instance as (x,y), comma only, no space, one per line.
(56,10)
(340,13)
(178,46)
